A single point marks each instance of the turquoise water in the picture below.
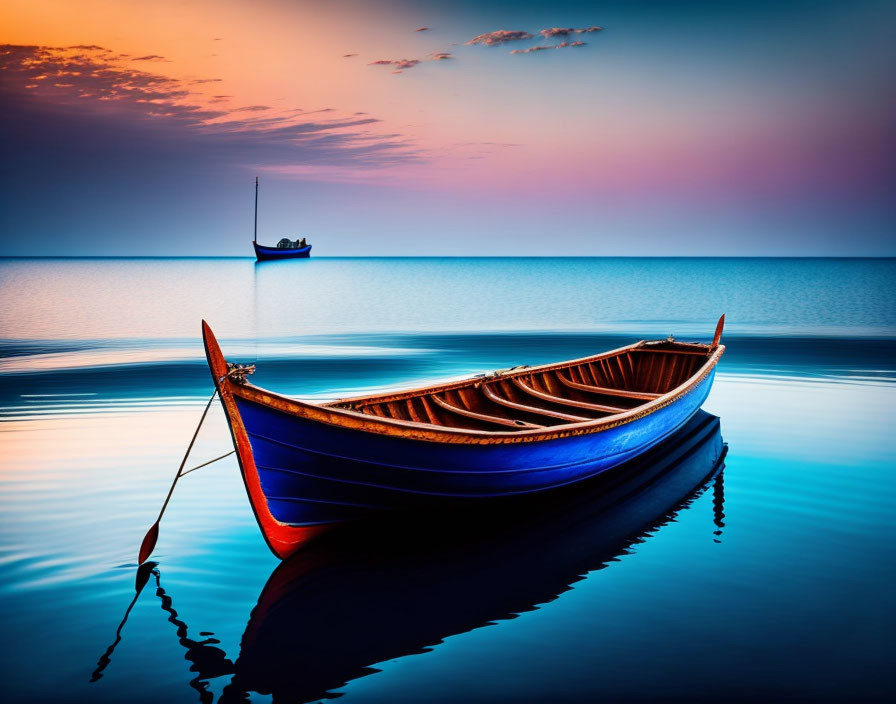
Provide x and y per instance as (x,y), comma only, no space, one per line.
(772,581)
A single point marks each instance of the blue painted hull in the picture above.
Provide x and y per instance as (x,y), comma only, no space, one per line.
(264,254)
(313,473)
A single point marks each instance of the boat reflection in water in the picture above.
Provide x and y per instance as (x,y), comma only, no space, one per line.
(378,591)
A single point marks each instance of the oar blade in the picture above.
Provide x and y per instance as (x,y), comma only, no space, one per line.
(144,572)
(149,543)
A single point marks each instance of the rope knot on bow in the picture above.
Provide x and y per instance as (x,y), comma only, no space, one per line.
(237,373)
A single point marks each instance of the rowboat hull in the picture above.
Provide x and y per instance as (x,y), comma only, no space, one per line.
(264,254)
(309,467)
(313,473)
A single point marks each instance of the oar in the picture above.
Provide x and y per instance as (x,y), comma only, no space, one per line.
(152,535)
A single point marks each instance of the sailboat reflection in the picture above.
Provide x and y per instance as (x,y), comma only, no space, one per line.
(374,592)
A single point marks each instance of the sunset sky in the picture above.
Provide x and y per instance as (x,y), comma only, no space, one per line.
(462,128)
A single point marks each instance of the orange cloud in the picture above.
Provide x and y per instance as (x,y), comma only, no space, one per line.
(97,87)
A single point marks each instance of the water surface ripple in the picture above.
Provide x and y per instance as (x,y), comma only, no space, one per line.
(756,576)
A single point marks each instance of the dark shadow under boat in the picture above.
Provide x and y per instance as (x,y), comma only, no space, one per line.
(378,590)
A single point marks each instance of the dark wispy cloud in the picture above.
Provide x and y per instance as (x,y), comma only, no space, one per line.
(500,36)
(91,86)
(422,29)
(348,56)
(399,64)
(495,38)
(503,36)
(85,73)
(544,47)
(149,57)
(488,144)
(402,64)
(567,31)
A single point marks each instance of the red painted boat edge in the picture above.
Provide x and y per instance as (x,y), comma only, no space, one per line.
(283,539)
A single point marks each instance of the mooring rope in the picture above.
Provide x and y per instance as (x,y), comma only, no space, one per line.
(237,374)
(187,454)
(206,464)
(152,535)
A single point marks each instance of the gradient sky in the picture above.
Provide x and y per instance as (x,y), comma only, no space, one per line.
(678,128)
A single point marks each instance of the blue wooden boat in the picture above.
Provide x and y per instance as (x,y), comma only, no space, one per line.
(285,249)
(310,466)
(264,254)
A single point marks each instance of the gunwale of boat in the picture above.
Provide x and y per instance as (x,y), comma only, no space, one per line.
(281,250)
(336,413)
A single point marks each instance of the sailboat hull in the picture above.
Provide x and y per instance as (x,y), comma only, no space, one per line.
(264,254)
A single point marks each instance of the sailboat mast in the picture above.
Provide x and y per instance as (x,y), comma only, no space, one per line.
(255,231)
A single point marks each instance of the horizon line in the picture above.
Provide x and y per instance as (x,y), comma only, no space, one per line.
(456,256)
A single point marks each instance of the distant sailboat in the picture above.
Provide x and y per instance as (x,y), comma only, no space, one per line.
(285,248)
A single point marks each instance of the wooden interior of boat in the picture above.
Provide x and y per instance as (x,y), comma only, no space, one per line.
(542,397)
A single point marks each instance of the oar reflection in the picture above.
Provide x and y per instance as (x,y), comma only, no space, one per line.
(143,574)
(207,660)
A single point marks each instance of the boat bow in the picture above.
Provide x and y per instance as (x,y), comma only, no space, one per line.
(282,538)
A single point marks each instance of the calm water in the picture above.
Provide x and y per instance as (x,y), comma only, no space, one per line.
(770,579)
